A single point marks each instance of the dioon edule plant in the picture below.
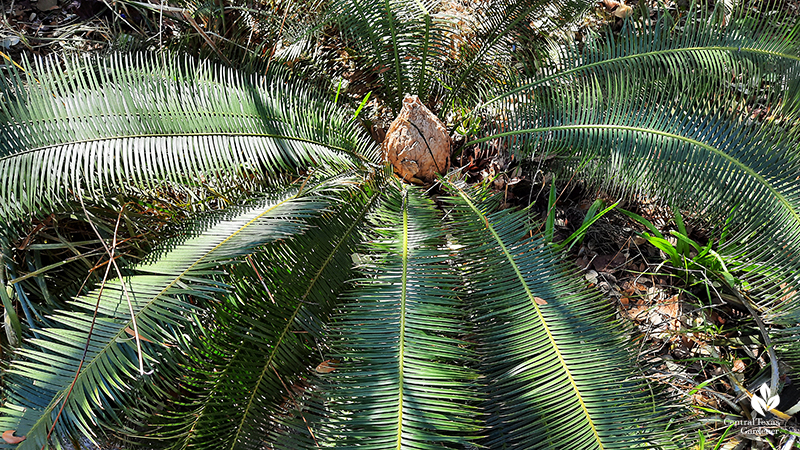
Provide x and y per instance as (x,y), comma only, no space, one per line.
(327,302)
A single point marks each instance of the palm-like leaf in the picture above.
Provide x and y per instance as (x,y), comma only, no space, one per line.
(401,41)
(403,380)
(418,49)
(255,356)
(133,123)
(161,294)
(557,368)
(678,141)
(484,61)
(747,53)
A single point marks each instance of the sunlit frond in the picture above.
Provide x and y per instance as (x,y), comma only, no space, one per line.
(248,368)
(109,349)
(558,374)
(701,147)
(402,376)
(133,123)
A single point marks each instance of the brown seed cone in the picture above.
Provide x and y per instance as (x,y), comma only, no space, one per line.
(417,143)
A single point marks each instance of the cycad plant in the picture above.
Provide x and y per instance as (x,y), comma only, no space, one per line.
(325,302)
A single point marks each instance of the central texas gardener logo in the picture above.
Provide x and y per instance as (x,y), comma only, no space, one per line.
(763,403)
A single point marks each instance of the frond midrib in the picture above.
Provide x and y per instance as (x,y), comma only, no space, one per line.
(177,135)
(542,319)
(402,322)
(199,414)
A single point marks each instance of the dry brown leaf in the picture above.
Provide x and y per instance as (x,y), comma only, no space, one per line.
(714,317)
(638,313)
(539,301)
(703,399)
(788,293)
(326,366)
(9,437)
(738,366)
(618,9)
(623,11)
(670,308)
(130,331)
(608,263)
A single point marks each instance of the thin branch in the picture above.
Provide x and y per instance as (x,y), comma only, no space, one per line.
(280,32)
(260,278)
(110,253)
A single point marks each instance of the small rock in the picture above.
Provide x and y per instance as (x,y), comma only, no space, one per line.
(8,42)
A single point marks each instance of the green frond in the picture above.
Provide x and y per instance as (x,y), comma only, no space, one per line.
(401,42)
(133,123)
(161,294)
(748,54)
(249,369)
(708,165)
(555,360)
(422,48)
(403,379)
(483,60)
(690,146)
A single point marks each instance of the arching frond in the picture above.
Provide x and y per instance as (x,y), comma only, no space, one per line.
(745,54)
(132,123)
(697,147)
(484,59)
(426,49)
(399,41)
(137,317)
(403,377)
(249,369)
(557,371)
